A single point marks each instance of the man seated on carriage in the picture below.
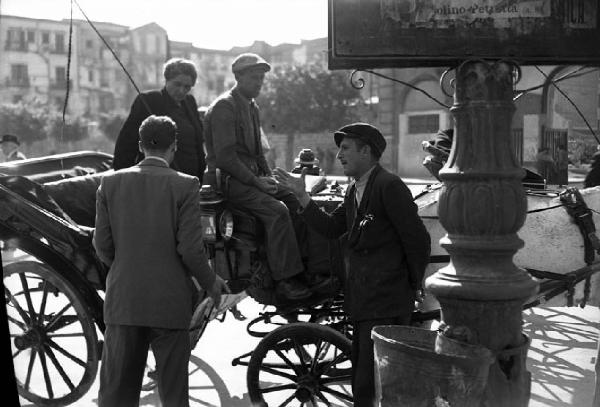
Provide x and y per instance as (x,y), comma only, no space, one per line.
(233,143)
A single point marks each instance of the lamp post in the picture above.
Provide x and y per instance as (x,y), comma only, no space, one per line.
(482,206)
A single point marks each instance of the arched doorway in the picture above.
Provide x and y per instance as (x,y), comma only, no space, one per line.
(420,119)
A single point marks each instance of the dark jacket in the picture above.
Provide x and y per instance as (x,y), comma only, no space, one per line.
(189,157)
(387,249)
(231,144)
(592,178)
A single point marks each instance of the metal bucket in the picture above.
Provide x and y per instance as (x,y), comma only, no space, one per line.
(409,372)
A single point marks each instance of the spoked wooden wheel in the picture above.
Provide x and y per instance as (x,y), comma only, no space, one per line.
(301,364)
(53,337)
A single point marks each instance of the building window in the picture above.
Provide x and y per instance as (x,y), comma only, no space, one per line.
(90,75)
(159,44)
(16,39)
(46,38)
(61,75)
(59,45)
(19,75)
(150,44)
(104,78)
(423,123)
(30,36)
(220,84)
(89,44)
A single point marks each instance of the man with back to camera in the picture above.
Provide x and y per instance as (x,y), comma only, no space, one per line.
(174,101)
(387,245)
(233,144)
(148,232)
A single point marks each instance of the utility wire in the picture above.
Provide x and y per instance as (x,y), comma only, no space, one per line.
(114,55)
(68,76)
(403,83)
(571,102)
(570,75)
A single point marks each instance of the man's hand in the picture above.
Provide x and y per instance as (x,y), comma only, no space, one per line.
(219,287)
(296,185)
(266,184)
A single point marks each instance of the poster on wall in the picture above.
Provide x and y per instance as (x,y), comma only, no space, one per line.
(397,33)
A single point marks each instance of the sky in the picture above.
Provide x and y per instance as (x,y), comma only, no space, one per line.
(215,24)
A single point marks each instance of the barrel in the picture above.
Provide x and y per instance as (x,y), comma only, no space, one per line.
(410,370)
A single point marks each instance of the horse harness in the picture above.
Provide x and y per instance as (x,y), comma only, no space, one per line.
(581,214)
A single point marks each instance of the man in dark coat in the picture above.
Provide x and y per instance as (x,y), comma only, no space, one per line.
(387,245)
(174,101)
(592,178)
(148,231)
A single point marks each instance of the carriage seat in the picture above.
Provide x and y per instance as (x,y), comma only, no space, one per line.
(77,197)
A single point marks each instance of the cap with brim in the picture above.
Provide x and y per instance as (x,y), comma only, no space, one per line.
(363,131)
(306,156)
(9,138)
(247,61)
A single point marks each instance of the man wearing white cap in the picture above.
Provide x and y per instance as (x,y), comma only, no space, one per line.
(233,144)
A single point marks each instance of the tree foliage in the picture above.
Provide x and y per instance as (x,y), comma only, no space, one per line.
(307,99)
(34,121)
(111,123)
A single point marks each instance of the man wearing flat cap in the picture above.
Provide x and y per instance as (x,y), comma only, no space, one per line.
(148,232)
(233,144)
(387,245)
(10,148)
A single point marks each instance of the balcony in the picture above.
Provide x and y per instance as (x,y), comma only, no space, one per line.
(16,46)
(17,82)
(59,84)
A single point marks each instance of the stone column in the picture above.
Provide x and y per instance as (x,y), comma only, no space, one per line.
(482,206)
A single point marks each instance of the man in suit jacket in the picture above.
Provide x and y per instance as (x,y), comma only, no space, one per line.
(233,144)
(148,231)
(387,245)
(174,101)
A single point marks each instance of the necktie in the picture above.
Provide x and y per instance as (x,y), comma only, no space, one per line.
(256,126)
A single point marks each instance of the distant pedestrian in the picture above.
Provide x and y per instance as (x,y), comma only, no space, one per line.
(546,165)
(10,147)
(148,231)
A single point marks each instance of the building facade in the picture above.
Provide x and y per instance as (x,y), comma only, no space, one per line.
(409,106)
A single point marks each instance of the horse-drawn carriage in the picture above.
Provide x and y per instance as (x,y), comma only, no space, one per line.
(54,283)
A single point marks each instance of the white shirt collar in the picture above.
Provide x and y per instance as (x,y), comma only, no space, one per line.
(158,158)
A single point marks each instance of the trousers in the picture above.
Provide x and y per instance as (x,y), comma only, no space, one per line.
(124,361)
(283,253)
(363,363)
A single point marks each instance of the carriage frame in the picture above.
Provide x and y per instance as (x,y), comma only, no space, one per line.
(311,341)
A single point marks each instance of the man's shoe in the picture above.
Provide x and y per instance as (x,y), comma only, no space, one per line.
(319,283)
(292,289)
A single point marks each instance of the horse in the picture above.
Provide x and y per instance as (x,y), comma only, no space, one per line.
(554,244)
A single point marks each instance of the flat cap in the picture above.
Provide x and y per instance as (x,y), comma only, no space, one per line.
(249,60)
(365,132)
(306,156)
(9,138)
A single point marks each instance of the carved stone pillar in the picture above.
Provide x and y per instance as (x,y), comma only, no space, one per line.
(482,206)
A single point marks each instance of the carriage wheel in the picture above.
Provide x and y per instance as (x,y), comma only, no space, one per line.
(301,364)
(53,337)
